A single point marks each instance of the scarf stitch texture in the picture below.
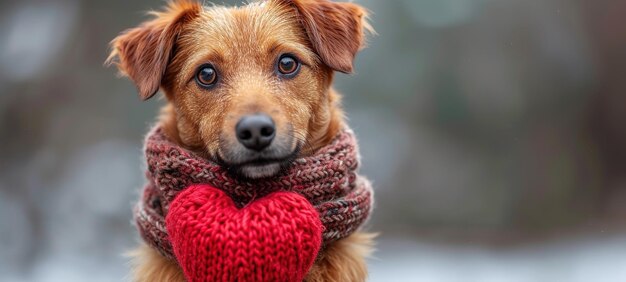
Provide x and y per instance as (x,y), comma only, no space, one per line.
(328,179)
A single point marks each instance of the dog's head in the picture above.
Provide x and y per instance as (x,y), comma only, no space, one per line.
(249,86)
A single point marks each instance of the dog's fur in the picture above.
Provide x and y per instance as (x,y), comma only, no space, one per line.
(243,44)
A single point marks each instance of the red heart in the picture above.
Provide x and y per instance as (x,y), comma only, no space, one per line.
(275,238)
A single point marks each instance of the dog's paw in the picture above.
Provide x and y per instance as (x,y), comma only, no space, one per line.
(275,238)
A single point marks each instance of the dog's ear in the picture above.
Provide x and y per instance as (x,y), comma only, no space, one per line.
(335,29)
(143,53)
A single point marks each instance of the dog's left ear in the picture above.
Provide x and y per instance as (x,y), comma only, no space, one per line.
(335,29)
(144,52)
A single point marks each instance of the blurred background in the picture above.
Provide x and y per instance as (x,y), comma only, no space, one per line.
(494,131)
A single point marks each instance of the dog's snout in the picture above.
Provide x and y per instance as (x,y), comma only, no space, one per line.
(255,132)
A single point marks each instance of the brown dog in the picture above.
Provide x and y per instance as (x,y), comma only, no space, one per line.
(248,84)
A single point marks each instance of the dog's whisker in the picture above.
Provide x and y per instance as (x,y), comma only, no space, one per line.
(302,140)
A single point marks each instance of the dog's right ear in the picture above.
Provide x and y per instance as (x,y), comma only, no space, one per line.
(144,52)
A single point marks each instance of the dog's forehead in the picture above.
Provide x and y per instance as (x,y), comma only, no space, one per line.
(254,28)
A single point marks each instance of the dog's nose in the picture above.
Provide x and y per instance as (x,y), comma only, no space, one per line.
(255,132)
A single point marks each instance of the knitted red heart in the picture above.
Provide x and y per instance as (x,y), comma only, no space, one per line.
(275,238)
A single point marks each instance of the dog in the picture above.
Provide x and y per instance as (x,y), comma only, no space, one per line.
(249,87)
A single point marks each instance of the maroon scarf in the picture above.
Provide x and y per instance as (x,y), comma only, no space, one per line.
(328,179)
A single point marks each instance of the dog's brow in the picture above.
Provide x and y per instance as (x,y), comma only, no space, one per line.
(302,52)
(273,47)
(210,56)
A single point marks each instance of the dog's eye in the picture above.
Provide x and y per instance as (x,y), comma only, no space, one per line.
(288,65)
(207,76)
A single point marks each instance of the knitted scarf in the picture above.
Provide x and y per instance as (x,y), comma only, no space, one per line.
(328,179)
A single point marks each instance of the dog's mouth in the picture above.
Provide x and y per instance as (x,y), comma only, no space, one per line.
(258,165)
